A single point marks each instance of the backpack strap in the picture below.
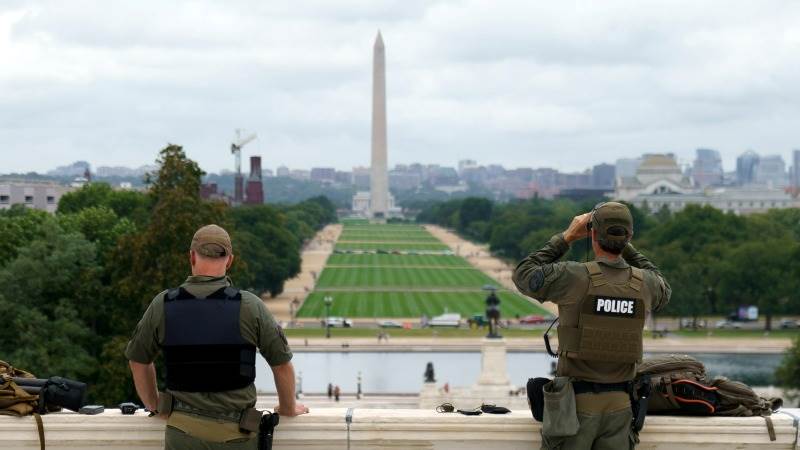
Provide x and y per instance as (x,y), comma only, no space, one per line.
(637,277)
(39,429)
(595,274)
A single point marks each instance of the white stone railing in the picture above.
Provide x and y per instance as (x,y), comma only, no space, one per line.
(325,428)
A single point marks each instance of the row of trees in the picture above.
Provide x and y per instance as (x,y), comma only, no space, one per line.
(714,261)
(77,282)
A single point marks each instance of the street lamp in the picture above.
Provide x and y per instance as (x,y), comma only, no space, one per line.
(299,385)
(358,390)
(328,302)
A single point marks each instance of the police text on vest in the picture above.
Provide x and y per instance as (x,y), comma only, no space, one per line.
(614,306)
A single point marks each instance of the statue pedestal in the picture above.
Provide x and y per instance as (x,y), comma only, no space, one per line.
(494,371)
(493,385)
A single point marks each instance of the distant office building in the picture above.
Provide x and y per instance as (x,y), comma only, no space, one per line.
(361,177)
(746,165)
(796,168)
(282,171)
(443,176)
(466,164)
(404,180)
(323,174)
(603,176)
(626,167)
(38,195)
(299,174)
(707,168)
(771,171)
(343,177)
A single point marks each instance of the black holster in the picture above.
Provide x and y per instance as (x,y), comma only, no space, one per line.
(640,396)
(266,430)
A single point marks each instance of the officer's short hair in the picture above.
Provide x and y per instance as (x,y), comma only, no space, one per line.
(614,246)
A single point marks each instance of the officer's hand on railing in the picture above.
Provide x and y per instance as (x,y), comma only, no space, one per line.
(286,412)
(577,229)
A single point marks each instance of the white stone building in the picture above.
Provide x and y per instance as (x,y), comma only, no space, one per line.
(658,174)
(660,183)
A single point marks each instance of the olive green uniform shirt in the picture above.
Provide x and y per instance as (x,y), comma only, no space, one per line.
(257,326)
(543,277)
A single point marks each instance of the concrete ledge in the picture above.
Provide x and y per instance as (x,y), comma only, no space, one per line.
(325,428)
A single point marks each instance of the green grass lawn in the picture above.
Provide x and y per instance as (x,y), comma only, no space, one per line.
(377,259)
(413,304)
(387,246)
(398,277)
(348,236)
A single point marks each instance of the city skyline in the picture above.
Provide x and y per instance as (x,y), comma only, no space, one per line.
(531,85)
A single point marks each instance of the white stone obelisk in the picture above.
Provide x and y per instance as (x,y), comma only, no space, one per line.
(379,178)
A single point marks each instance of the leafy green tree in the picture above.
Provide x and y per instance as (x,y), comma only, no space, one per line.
(128,204)
(788,373)
(761,273)
(474,209)
(271,251)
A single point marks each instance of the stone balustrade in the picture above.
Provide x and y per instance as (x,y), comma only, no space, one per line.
(326,428)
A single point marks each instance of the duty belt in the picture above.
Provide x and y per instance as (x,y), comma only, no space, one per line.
(583,387)
(231,416)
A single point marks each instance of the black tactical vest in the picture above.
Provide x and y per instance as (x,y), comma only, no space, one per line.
(203,345)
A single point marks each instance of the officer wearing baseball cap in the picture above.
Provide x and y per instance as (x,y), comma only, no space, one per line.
(602,305)
(209,333)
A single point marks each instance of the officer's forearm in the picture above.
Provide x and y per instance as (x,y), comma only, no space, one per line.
(284,383)
(144,378)
(555,248)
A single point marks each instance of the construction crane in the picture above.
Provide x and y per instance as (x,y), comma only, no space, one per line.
(236,149)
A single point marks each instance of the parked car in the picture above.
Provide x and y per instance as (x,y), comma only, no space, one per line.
(533,319)
(389,324)
(479,320)
(727,324)
(446,320)
(789,323)
(338,322)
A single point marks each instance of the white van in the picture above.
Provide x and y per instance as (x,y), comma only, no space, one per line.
(446,320)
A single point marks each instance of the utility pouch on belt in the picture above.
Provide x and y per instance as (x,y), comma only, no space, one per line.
(536,397)
(250,420)
(165,403)
(560,413)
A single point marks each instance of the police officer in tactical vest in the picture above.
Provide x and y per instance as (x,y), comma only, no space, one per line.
(209,332)
(602,306)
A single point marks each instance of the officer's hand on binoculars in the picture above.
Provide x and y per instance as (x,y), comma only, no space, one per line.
(577,229)
(298,410)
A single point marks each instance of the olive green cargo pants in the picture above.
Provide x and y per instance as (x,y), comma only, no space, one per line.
(176,439)
(605,424)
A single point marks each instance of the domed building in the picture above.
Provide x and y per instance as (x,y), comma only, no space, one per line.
(658,174)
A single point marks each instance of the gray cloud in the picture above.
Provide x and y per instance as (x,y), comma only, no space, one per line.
(514,82)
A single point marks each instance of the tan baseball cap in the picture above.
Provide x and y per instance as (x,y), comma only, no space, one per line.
(612,214)
(212,241)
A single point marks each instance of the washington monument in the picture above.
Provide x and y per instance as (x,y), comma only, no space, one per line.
(379,179)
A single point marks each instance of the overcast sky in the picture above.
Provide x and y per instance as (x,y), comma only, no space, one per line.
(520,83)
